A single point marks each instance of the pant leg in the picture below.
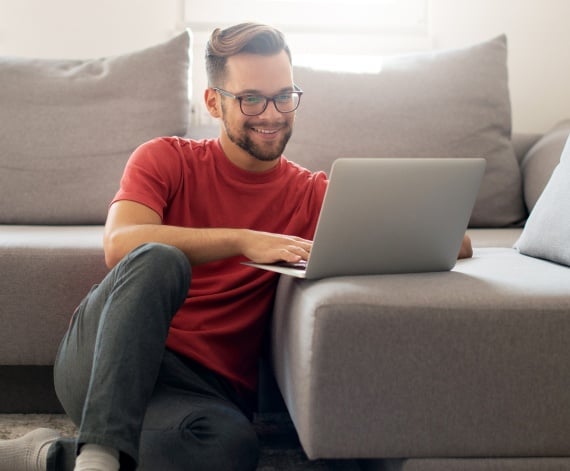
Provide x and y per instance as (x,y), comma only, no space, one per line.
(195,421)
(109,359)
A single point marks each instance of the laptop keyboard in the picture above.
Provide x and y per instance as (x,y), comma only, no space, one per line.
(301,265)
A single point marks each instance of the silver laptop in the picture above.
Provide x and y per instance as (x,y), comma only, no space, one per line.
(381,216)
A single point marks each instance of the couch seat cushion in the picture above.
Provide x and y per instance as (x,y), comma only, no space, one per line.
(471,362)
(496,237)
(46,271)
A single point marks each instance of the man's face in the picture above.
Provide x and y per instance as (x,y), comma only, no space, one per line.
(264,136)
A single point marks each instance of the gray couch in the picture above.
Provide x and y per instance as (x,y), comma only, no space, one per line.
(462,370)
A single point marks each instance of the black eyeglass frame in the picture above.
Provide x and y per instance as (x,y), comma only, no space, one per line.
(267,99)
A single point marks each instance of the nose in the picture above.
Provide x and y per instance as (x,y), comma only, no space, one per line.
(271,110)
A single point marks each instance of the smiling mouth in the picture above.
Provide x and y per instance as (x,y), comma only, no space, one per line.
(265,131)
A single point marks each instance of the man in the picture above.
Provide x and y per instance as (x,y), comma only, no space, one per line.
(158,367)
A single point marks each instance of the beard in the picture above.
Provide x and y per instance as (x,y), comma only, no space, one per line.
(264,152)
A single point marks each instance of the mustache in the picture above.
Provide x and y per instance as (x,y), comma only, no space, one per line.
(259,123)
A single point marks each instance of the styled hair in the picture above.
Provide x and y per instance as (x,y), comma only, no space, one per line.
(253,38)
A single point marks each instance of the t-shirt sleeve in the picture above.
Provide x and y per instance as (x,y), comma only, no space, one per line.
(151,175)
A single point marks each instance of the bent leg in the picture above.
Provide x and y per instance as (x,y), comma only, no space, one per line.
(109,359)
(192,422)
(182,432)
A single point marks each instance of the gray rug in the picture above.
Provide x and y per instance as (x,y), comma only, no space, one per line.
(280,446)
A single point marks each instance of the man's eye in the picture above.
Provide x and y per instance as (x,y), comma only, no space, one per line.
(252,99)
(286,97)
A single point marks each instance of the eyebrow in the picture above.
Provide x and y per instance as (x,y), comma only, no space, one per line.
(257,92)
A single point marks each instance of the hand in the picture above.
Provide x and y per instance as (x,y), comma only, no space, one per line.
(466,250)
(265,247)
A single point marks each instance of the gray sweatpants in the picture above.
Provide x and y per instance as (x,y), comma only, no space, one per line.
(124,389)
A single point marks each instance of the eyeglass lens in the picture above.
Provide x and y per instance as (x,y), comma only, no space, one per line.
(256,104)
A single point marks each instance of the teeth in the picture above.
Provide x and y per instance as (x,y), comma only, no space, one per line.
(265,131)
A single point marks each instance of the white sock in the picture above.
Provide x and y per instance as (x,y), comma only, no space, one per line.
(28,452)
(97,458)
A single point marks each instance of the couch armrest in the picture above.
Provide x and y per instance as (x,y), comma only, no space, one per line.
(540,161)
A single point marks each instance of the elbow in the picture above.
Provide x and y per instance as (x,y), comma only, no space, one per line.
(112,249)
(110,261)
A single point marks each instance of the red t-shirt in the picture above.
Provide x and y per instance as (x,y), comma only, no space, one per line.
(193,184)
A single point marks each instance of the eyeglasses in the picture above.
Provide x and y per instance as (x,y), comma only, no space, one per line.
(253,105)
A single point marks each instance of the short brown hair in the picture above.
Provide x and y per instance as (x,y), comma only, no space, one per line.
(254,38)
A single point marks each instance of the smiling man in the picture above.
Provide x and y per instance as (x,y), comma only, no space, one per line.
(269,136)
(158,368)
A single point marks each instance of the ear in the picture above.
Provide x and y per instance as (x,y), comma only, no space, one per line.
(212,100)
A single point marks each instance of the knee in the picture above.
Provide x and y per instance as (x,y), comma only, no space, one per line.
(226,437)
(162,262)
(217,439)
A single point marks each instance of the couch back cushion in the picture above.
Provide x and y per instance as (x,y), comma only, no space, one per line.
(540,161)
(69,126)
(452,103)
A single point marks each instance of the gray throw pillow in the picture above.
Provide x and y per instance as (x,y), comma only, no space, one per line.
(547,231)
(69,126)
(452,103)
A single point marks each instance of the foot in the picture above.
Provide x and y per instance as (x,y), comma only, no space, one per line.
(27,453)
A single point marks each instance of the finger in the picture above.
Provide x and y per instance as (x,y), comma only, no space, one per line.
(300,239)
(302,252)
(286,255)
(304,244)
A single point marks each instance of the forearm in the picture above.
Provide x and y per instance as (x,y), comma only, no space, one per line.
(130,225)
(199,245)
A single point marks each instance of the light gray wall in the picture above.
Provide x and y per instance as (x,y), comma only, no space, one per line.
(538,33)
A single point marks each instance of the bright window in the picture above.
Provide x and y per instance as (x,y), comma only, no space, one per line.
(349,35)
(314,16)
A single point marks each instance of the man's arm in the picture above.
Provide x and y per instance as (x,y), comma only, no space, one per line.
(130,224)
(466,249)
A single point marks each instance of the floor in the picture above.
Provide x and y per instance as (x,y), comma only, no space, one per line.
(280,446)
